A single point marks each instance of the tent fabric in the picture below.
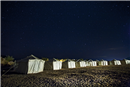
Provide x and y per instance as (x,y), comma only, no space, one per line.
(35,66)
(57,65)
(125,61)
(30,65)
(69,64)
(77,64)
(87,63)
(102,63)
(110,63)
(116,62)
(91,63)
(82,63)
(53,65)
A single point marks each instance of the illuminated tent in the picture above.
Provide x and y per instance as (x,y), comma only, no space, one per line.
(87,63)
(125,61)
(82,63)
(29,65)
(69,64)
(102,63)
(92,63)
(116,62)
(53,64)
(77,64)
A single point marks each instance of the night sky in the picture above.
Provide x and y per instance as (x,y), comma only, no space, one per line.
(88,30)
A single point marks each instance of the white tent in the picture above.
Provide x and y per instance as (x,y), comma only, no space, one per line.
(92,63)
(53,64)
(57,65)
(103,62)
(116,62)
(68,64)
(87,63)
(30,65)
(125,61)
(82,63)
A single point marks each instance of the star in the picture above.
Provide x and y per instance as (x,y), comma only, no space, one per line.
(51,25)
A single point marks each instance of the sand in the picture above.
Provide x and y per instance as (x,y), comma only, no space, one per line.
(99,76)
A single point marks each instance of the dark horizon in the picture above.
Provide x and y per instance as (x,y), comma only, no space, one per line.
(55,29)
(40,57)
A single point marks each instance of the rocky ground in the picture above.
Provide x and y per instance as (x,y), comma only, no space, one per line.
(100,76)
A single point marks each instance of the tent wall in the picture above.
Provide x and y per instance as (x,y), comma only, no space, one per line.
(110,63)
(99,63)
(41,68)
(77,64)
(57,65)
(71,64)
(29,65)
(35,66)
(48,65)
(60,65)
(127,61)
(53,65)
(22,67)
(82,64)
(116,62)
(104,63)
(93,63)
(87,63)
(124,62)
(65,65)
(68,64)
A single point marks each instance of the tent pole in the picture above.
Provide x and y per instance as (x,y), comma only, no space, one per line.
(8,70)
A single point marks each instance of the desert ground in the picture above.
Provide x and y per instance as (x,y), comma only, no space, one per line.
(99,76)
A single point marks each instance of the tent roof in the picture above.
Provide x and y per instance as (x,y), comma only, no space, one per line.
(115,60)
(81,60)
(102,60)
(77,60)
(90,60)
(28,57)
(97,60)
(32,56)
(54,59)
(125,59)
(68,60)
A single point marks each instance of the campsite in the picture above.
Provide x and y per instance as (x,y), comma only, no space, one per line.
(90,76)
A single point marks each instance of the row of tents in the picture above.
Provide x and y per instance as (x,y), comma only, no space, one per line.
(32,64)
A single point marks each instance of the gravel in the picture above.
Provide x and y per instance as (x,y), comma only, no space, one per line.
(100,76)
